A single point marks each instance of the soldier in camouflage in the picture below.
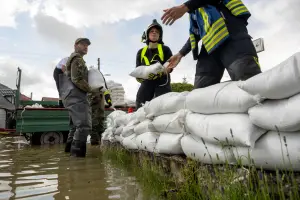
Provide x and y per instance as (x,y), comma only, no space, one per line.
(96,101)
(74,89)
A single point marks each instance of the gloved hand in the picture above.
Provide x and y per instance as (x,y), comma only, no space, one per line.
(140,80)
(108,99)
(160,74)
(152,76)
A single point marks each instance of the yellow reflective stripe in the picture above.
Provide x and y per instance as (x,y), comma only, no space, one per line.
(106,92)
(205,19)
(232,3)
(239,10)
(214,28)
(216,39)
(160,52)
(256,60)
(144,57)
(193,41)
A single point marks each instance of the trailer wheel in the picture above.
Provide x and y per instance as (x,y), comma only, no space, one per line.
(51,138)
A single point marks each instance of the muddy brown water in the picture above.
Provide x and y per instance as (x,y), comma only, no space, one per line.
(46,172)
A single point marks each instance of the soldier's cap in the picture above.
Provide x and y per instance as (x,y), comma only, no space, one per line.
(83,40)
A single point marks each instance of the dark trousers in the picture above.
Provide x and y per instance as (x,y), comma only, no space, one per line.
(149,90)
(237,56)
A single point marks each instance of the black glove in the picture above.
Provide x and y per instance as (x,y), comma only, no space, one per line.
(108,99)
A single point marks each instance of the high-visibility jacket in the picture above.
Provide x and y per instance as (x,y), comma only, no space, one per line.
(160,54)
(207,24)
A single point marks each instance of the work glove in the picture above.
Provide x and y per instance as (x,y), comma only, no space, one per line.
(152,76)
(160,74)
(140,80)
(108,99)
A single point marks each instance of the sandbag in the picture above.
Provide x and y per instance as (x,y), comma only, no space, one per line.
(147,141)
(126,119)
(285,114)
(119,130)
(224,97)
(129,142)
(165,104)
(127,131)
(143,127)
(143,71)
(271,153)
(279,82)
(170,123)
(140,114)
(215,128)
(196,150)
(169,143)
(95,78)
(110,119)
(119,138)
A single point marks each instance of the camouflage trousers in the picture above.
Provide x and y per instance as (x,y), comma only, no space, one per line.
(96,102)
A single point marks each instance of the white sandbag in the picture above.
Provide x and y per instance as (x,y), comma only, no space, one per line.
(127,131)
(105,136)
(279,82)
(110,119)
(285,114)
(165,104)
(119,130)
(147,141)
(215,128)
(271,153)
(129,142)
(214,154)
(140,114)
(224,97)
(169,143)
(170,123)
(143,127)
(144,71)
(119,138)
(95,78)
(125,119)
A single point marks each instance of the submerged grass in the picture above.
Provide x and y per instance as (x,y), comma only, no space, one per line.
(213,182)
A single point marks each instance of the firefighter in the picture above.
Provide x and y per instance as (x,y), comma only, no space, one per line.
(226,44)
(154,51)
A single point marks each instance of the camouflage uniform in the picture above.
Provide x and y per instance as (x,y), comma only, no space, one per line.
(96,101)
(74,95)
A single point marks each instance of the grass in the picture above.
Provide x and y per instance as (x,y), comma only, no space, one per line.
(213,182)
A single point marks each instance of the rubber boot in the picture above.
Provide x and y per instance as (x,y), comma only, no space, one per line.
(78,148)
(68,145)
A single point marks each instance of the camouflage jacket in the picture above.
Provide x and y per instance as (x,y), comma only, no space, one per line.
(78,71)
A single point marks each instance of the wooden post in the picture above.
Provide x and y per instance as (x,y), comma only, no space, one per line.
(99,64)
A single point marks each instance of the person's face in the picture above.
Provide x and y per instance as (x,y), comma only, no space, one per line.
(82,47)
(154,34)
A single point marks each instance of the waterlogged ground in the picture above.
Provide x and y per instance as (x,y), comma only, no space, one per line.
(46,172)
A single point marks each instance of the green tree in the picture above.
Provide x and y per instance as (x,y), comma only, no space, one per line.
(181,87)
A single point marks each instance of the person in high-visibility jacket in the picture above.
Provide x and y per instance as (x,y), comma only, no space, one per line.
(221,25)
(155,51)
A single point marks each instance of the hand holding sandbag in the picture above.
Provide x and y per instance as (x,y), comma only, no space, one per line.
(144,71)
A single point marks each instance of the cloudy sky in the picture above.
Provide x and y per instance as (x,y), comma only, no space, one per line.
(36,34)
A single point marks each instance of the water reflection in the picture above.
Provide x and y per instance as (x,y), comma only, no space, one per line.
(48,173)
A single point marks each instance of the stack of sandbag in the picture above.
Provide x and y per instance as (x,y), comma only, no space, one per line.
(117,93)
(218,122)
(279,113)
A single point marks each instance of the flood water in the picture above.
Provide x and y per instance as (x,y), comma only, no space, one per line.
(47,172)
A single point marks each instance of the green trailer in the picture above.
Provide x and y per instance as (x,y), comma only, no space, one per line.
(46,125)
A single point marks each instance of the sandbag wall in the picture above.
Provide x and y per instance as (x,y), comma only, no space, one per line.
(117,93)
(229,121)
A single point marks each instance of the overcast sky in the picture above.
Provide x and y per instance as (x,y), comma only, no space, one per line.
(36,34)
